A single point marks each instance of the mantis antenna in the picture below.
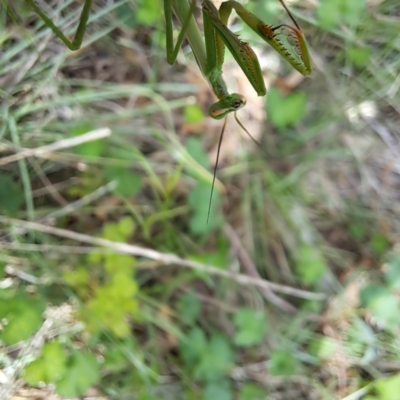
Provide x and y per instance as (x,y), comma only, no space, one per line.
(216,166)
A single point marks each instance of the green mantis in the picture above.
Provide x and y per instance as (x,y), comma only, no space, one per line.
(287,40)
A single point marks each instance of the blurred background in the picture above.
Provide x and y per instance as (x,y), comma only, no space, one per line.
(113,285)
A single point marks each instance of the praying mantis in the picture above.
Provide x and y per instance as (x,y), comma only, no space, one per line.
(287,40)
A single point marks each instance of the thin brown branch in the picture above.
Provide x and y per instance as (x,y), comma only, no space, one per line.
(164,258)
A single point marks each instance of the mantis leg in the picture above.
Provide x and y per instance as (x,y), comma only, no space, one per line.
(172,52)
(76,42)
(287,40)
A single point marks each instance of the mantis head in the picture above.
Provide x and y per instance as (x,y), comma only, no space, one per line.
(229,103)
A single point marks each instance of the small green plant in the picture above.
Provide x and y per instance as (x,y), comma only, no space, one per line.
(73,372)
(381,299)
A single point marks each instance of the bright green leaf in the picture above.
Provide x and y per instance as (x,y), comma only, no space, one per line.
(328,14)
(126,226)
(387,387)
(24,318)
(83,371)
(310,264)
(359,56)
(284,111)
(50,367)
(93,148)
(193,113)
(251,326)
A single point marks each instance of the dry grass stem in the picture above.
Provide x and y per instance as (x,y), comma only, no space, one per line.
(165,258)
(56,146)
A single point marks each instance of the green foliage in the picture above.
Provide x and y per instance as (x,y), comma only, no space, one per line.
(50,367)
(11,195)
(72,373)
(119,231)
(323,348)
(386,388)
(93,148)
(359,56)
(379,244)
(284,111)
(129,182)
(357,230)
(282,362)
(114,297)
(148,12)
(331,13)
(392,273)
(83,371)
(210,360)
(252,392)
(221,390)
(199,199)
(382,303)
(22,313)
(251,326)
(310,263)
(189,308)
(193,114)
(111,303)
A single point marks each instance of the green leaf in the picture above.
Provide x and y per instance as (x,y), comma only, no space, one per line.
(193,347)
(387,387)
(83,371)
(126,226)
(195,149)
(216,361)
(193,113)
(310,264)
(252,392)
(282,363)
(284,111)
(382,303)
(199,199)
(24,317)
(371,292)
(357,230)
(148,13)
(392,275)
(129,183)
(328,14)
(352,11)
(251,326)
(220,390)
(379,244)
(323,348)
(50,367)
(11,195)
(93,148)
(359,56)
(386,308)
(189,308)
(125,14)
